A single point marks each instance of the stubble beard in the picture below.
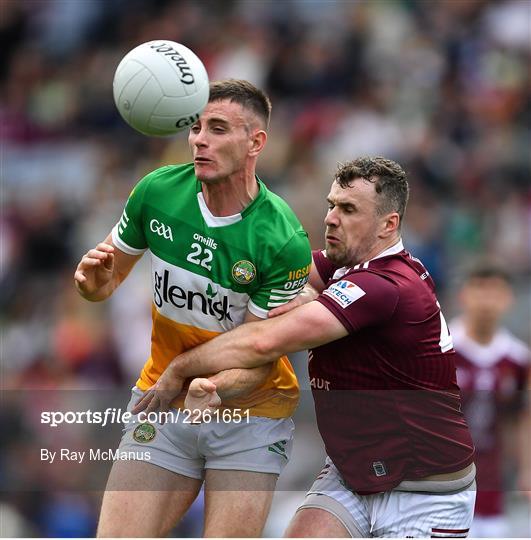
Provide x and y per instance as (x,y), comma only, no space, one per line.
(338,257)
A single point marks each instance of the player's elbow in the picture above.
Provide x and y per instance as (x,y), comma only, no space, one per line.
(265,347)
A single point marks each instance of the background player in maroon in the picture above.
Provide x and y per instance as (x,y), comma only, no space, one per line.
(382,370)
(492,371)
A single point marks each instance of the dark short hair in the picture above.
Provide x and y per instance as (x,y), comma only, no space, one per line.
(487,270)
(244,93)
(390,181)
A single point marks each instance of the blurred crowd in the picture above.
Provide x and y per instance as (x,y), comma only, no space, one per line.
(440,86)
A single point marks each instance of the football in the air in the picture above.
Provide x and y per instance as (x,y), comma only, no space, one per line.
(160,88)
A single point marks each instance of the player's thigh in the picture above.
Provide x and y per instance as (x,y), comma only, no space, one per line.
(416,514)
(344,513)
(237,502)
(142,500)
(316,523)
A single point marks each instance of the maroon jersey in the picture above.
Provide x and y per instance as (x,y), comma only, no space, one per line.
(493,382)
(386,397)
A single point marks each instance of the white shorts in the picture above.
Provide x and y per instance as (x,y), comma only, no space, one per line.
(393,513)
(255,443)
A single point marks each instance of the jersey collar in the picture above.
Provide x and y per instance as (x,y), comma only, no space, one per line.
(222,221)
(393,250)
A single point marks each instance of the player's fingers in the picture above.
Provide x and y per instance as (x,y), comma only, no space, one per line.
(164,406)
(80,277)
(215,401)
(207,385)
(154,404)
(102,246)
(87,262)
(195,389)
(143,402)
(108,263)
(97,254)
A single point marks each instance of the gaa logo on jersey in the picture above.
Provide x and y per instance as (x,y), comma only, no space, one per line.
(344,292)
(243,272)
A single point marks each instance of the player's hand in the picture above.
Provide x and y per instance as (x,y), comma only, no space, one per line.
(160,395)
(307,295)
(202,396)
(95,270)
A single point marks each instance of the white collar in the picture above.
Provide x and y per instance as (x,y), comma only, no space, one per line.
(393,250)
(215,221)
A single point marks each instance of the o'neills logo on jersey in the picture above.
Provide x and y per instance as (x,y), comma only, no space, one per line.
(178,297)
(187,76)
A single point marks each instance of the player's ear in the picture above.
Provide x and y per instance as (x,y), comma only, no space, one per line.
(390,225)
(257,142)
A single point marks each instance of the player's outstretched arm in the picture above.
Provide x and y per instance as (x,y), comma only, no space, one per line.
(226,384)
(101,270)
(258,343)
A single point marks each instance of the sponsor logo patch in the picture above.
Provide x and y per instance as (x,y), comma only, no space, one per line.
(243,272)
(344,293)
(144,433)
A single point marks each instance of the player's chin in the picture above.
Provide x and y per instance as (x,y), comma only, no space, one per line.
(204,175)
(334,254)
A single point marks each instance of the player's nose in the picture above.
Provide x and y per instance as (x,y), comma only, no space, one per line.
(199,138)
(331,219)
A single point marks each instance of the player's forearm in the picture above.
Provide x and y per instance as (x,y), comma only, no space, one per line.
(232,383)
(240,348)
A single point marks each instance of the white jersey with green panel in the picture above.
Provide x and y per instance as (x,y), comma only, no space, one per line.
(207,271)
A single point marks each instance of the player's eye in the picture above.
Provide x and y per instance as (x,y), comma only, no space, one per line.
(218,129)
(195,128)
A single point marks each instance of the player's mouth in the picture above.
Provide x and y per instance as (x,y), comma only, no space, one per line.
(201,160)
(332,239)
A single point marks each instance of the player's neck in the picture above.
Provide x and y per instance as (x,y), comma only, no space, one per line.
(380,247)
(232,195)
(481,333)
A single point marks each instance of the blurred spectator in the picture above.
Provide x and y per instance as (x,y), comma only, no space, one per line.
(493,373)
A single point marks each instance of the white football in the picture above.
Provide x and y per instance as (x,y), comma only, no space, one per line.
(160,88)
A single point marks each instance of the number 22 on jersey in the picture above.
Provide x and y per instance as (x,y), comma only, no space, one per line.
(200,255)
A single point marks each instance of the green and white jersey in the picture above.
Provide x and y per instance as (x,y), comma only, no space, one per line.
(207,271)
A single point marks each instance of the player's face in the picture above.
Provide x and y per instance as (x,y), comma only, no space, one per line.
(220,141)
(352,223)
(486,299)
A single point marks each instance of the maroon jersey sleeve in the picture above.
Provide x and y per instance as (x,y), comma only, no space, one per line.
(325,268)
(361,299)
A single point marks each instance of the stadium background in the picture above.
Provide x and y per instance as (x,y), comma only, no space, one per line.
(442,87)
